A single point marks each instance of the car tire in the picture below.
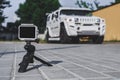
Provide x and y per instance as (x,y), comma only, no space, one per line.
(75,40)
(98,39)
(64,38)
(47,37)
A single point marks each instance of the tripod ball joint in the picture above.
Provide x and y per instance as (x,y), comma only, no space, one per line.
(29,48)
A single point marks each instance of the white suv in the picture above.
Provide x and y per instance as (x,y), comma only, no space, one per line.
(71,24)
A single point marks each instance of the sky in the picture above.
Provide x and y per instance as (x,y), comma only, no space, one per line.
(12,17)
(10,12)
(72,2)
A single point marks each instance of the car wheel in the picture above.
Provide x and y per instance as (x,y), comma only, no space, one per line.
(64,38)
(98,40)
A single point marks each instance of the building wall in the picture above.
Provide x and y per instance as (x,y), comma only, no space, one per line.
(8,36)
(112,17)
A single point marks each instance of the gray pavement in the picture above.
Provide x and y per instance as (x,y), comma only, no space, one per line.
(70,62)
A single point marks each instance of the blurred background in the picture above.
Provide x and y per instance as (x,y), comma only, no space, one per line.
(13,13)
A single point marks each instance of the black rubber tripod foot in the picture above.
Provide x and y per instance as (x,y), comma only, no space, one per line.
(22,68)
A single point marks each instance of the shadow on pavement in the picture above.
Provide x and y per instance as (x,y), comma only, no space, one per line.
(37,66)
(12,52)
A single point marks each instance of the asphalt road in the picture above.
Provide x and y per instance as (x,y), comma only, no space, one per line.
(70,62)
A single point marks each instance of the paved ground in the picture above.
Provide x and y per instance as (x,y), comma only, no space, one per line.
(71,62)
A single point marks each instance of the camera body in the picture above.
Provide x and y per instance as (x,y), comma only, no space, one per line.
(27,32)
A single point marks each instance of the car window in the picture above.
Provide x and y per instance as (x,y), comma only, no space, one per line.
(56,14)
(48,18)
(52,16)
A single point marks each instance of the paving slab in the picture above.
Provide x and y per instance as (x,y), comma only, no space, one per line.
(114,74)
(104,79)
(5,78)
(5,72)
(70,62)
(29,78)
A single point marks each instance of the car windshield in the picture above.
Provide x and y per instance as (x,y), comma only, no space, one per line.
(76,12)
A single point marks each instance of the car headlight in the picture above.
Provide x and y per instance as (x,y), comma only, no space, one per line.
(103,20)
(70,20)
(98,20)
(76,20)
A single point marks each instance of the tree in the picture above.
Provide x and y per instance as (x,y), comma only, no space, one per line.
(117,1)
(33,11)
(3,5)
(81,4)
(93,6)
(84,4)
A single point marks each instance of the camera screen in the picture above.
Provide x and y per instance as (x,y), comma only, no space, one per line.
(27,32)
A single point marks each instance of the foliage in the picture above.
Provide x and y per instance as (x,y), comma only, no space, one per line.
(3,5)
(81,4)
(33,11)
(117,1)
(93,6)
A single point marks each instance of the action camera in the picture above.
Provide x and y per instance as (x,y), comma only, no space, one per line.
(27,32)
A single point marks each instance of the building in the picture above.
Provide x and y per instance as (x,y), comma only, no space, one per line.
(9,32)
(111,15)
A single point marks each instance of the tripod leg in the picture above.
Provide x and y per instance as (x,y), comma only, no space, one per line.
(24,64)
(28,58)
(42,61)
(31,59)
(23,68)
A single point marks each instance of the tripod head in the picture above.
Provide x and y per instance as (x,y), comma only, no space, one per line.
(29,48)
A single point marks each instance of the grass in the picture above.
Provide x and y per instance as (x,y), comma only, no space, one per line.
(42,41)
(112,41)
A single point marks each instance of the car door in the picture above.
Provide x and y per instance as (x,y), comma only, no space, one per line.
(48,24)
(56,24)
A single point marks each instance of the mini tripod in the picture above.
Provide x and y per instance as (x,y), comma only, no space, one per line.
(28,58)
